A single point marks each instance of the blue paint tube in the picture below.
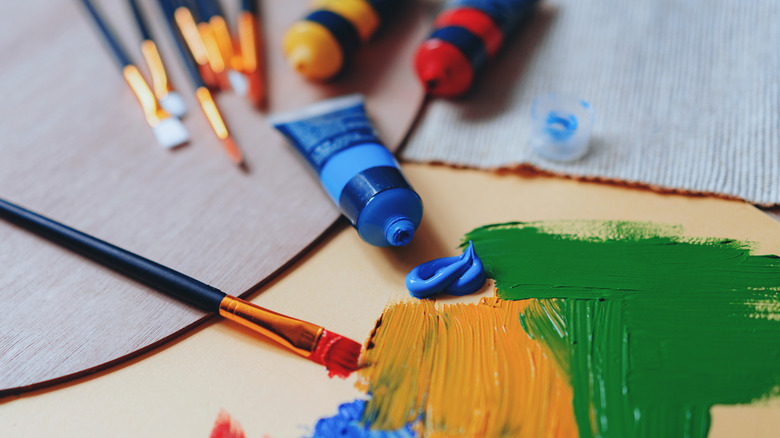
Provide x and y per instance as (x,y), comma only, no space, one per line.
(361,176)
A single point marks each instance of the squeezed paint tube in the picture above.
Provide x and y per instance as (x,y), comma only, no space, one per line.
(361,176)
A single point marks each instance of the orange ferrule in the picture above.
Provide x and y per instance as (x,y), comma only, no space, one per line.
(206,101)
(160,82)
(251,60)
(213,54)
(298,336)
(189,31)
(222,35)
(248,39)
(151,107)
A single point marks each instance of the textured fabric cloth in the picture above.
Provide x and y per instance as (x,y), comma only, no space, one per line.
(686,96)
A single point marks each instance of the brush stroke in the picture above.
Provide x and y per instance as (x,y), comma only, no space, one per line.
(347,423)
(652,328)
(463,370)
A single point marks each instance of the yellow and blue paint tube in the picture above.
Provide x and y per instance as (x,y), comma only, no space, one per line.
(322,43)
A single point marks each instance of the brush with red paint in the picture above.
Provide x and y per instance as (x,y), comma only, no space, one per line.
(337,353)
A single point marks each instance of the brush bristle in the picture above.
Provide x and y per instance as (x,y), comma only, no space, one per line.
(338,354)
(171,132)
(174,104)
(238,82)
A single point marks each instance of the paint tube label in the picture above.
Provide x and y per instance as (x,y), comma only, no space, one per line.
(319,138)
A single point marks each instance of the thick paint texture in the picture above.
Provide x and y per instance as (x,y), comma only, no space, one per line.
(651,328)
(347,424)
(226,427)
(460,275)
(463,370)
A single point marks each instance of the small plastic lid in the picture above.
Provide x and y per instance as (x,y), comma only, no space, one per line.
(561,127)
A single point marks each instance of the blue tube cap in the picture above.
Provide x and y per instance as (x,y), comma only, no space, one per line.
(561,127)
(390,217)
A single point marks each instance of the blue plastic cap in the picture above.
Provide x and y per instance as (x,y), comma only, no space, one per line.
(561,127)
(390,217)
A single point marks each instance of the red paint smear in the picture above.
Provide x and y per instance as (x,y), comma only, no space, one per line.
(226,427)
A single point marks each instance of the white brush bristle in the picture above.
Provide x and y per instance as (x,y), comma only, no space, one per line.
(171,132)
(238,82)
(174,105)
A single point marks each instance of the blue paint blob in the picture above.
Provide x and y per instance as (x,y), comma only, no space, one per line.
(347,424)
(459,275)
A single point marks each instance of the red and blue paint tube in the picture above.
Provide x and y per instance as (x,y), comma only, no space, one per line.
(466,34)
(360,175)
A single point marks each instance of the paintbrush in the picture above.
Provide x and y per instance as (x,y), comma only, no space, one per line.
(202,93)
(213,53)
(168,130)
(184,20)
(219,45)
(251,43)
(337,353)
(169,99)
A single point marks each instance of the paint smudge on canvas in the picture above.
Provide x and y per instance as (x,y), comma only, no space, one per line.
(651,328)
(226,426)
(463,370)
(348,423)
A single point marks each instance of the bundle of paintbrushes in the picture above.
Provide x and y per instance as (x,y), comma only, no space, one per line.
(337,353)
(206,48)
(168,130)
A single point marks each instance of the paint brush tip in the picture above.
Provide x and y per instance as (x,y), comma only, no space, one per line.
(233,151)
(170,132)
(173,104)
(238,82)
(339,354)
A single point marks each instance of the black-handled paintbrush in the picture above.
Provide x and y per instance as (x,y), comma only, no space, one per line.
(181,23)
(251,43)
(169,98)
(337,353)
(168,130)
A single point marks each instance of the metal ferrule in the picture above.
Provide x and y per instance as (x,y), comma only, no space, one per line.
(298,336)
(189,30)
(213,54)
(206,101)
(249,60)
(156,67)
(152,109)
(222,34)
(247,37)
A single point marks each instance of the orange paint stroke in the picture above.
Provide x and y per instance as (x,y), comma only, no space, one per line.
(463,370)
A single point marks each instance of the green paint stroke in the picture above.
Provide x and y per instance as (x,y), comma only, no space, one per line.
(652,328)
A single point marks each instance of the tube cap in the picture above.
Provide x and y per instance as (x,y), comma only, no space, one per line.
(561,127)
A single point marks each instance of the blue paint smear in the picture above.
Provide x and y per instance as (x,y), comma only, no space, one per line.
(347,424)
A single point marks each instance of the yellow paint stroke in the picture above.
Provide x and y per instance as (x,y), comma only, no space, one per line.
(463,370)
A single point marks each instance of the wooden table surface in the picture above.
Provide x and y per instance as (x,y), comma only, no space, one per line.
(75,147)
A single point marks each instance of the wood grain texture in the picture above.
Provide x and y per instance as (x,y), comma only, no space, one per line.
(75,147)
